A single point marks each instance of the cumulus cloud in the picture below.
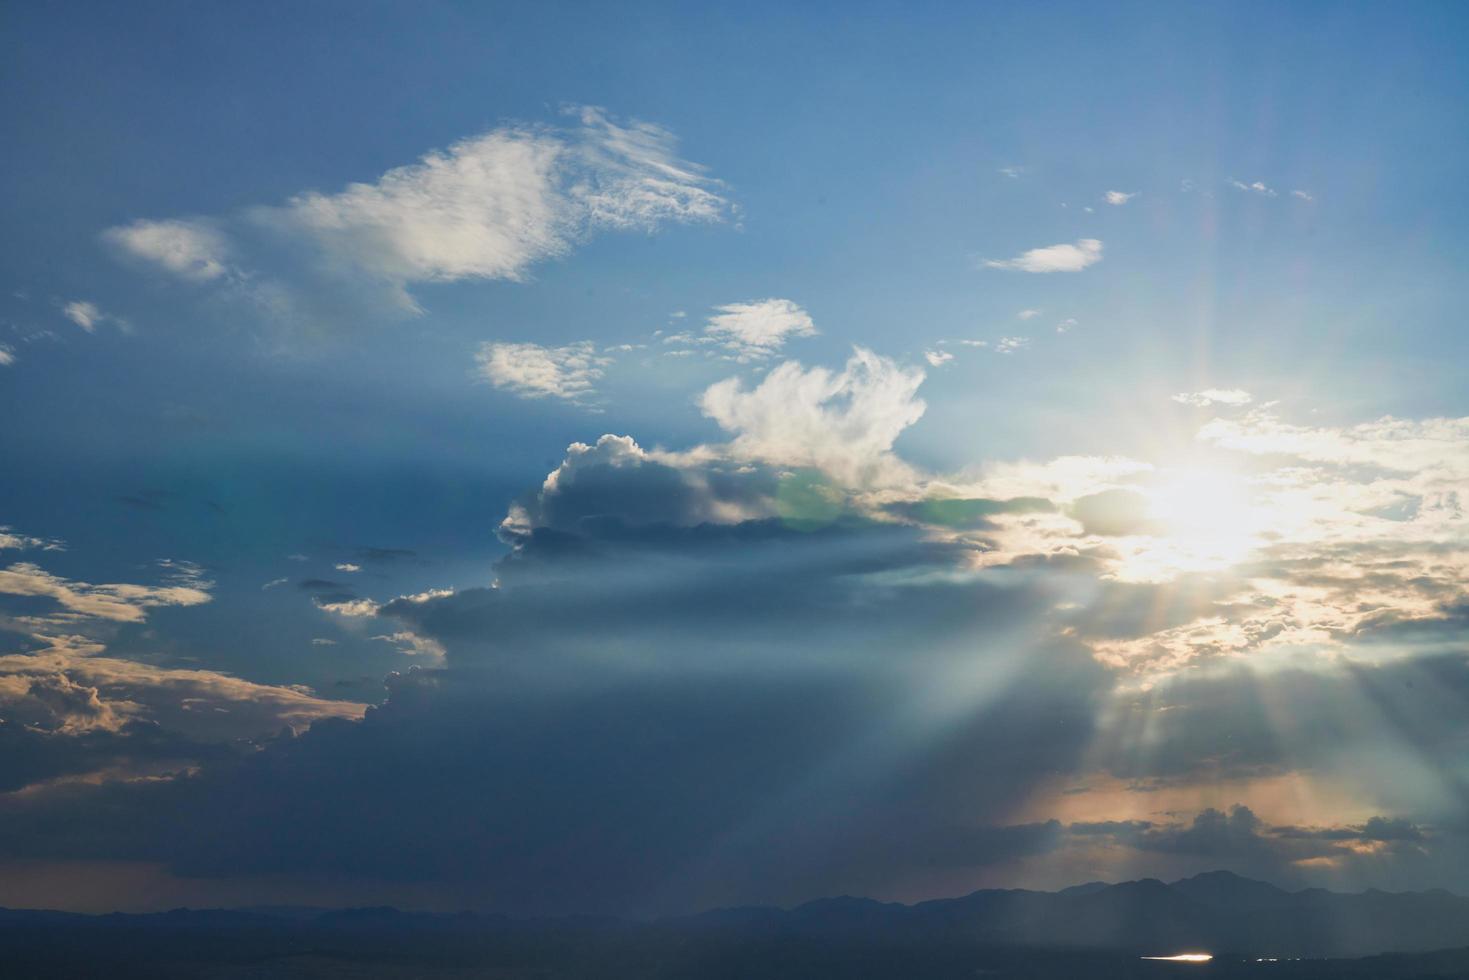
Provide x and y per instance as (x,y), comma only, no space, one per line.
(1214,396)
(490,206)
(7,356)
(533,371)
(1118,198)
(937,358)
(1053,258)
(843,423)
(757,330)
(1009,345)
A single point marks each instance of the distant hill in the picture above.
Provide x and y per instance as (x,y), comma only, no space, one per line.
(1094,930)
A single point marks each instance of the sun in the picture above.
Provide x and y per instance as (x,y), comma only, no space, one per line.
(1198,519)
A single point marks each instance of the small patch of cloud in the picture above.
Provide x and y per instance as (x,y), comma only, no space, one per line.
(757,330)
(347,566)
(1118,198)
(10,538)
(533,371)
(1303,195)
(1066,257)
(273,583)
(937,358)
(1214,396)
(1011,172)
(89,316)
(1066,325)
(7,356)
(1257,187)
(1009,345)
(1027,314)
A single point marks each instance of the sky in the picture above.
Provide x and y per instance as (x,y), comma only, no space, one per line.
(553,458)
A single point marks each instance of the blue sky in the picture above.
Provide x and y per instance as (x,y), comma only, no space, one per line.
(1064,337)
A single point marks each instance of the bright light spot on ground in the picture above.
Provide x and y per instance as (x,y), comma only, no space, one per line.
(1184,958)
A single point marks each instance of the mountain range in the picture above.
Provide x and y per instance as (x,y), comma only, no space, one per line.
(1096,930)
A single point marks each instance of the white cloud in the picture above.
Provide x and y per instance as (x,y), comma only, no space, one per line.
(1053,258)
(975,343)
(488,207)
(491,206)
(192,249)
(1258,187)
(1065,325)
(83,314)
(937,358)
(533,371)
(273,583)
(758,329)
(1303,195)
(844,423)
(1213,396)
(346,566)
(1118,198)
(1009,345)
(413,644)
(7,356)
(1011,172)
(1028,314)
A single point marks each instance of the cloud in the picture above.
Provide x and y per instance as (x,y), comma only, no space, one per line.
(532,371)
(193,249)
(88,316)
(937,358)
(1011,172)
(1009,345)
(1118,198)
(757,330)
(490,206)
(1302,195)
(7,356)
(1214,396)
(1257,187)
(843,423)
(1065,325)
(346,566)
(10,538)
(1028,314)
(1053,258)
(123,603)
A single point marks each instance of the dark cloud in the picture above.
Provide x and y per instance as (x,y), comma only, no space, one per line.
(967,513)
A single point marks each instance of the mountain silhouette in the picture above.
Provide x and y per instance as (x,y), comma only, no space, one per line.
(1096,929)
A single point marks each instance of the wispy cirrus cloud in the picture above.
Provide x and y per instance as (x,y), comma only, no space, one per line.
(1067,257)
(1254,187)
(488,207)
(89,316)
(1214,396)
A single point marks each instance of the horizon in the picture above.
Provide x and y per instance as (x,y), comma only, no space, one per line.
(268,909)
(549,459)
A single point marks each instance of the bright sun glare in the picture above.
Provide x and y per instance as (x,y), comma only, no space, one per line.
(1200,519)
